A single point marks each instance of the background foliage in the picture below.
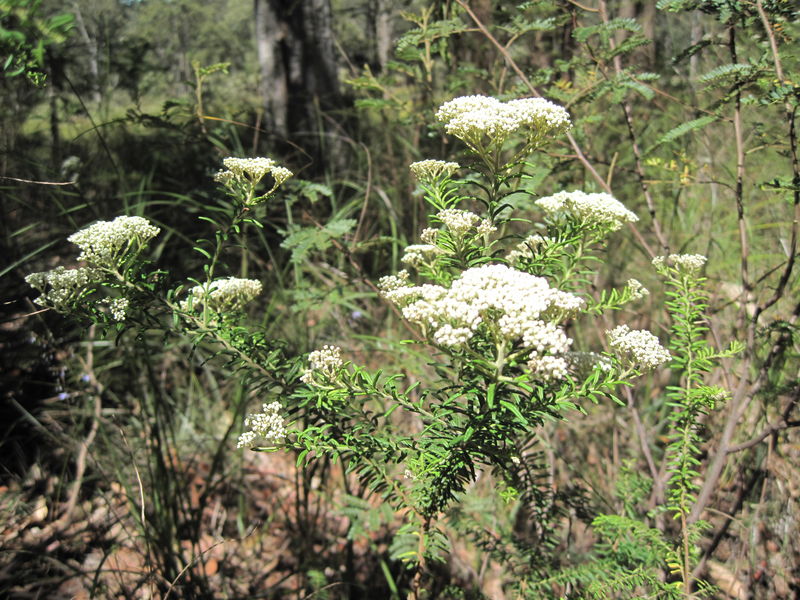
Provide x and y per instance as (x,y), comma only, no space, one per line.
(119,475)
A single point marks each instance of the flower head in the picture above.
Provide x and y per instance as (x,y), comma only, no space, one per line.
(429,235)
(527,247)
(685,264)
(637,348)
(118,307)
(222,295)
(243,174)
(477,120)
(61,288)
(459,222)
(389,283)
(416,254)
(548,367)
(431,171)
(106,244)
(511,305)
(486,227)
(324,366)
(600,210)
(267,426)
(637,290)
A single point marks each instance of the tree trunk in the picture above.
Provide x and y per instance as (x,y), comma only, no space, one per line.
(298,69)
(380,27)
(273,84)
(92,53)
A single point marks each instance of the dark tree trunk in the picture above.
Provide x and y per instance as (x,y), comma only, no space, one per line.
(298,68)
(383,33)
(273,83)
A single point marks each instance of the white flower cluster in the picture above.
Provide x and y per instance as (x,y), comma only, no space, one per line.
(62,287)
(474,118)
(429,235)
(457,221)
(637,290)
(486,227)
(527,247)
(267,426)
(430,171)
(447,335)
(324,366)
(515,306)
(250,171)
(686,264)
(583,363)
(118,307)
(222,295)
(105,243)
(592,209)
(389,283)
(416,254)
(547,367)
(637,347)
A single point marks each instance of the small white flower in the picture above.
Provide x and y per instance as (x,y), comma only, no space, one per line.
(324,366)
(249,171)
(459,222)
(222,295)
(267,426)
(60,288)
(591,209)
(106,243)
(486,227)
(429,235)
(528,247)
(118,307)
(447,335)
(685,264)
(430,171)
(390,283)
(637,347)
(547,367)
(638,291)
(473,119)
(252,168)
(416,254)
(518,306)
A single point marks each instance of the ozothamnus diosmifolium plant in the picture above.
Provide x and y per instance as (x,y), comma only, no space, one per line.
(493,308)
(119,287)
(633,559)
(690,400)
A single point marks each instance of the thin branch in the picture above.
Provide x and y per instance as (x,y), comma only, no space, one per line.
(772,428)
(791,116)
(39,182)
(740,401)
(768,431)
(83,448)
(637,153)
(575,147)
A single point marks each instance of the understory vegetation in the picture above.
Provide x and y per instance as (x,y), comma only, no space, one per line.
(361,299)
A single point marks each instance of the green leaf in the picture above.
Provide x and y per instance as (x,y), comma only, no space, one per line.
(685,128)
(513,408)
